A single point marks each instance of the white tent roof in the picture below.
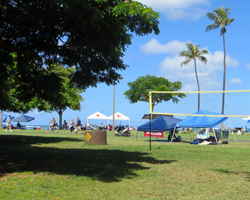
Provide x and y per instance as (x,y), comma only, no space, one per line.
(119,116)
(97,115)
(246,118)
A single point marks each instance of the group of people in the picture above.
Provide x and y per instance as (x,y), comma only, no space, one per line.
(72,126)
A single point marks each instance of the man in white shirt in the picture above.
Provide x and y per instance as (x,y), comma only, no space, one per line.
(8,124)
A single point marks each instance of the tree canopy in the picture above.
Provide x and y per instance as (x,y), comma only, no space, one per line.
(69,96)
(90,35)
(139,90)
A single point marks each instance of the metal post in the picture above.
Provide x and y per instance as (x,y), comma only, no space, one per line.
(113,127)
(150,130)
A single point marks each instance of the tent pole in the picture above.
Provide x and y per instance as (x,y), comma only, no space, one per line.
(215,136)
(173,135)
(150,130)
(232,130)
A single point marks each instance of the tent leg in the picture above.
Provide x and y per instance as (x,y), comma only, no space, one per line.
(173,135)
(234,137)
(215,136)
(232,131)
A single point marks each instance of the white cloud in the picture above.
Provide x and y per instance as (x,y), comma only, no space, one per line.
(210,75)
(172,47)
(235,81)
(178,9)
(247,66)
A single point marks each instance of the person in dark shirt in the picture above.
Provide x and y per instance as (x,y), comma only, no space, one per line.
(78,126)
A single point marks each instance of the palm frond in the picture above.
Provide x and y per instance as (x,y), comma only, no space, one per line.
(211,16)
(185,54)
(186,62)
(212,27)
(203,59)
(204,51)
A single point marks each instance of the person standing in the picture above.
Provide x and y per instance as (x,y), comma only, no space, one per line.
(8,124)
(71,125)
(78,126)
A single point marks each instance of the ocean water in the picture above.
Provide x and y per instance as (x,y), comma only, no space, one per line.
(43,127)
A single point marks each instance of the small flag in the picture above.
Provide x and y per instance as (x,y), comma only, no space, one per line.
(248,121)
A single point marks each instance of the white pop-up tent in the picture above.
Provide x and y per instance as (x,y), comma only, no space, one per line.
(97,115)
(119,116)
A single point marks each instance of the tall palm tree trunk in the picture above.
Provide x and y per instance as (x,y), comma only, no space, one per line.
(224,78)
(199,97)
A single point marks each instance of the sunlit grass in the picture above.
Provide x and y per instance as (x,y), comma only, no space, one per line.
(39,165)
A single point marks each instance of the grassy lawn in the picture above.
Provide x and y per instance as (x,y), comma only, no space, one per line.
(39,165)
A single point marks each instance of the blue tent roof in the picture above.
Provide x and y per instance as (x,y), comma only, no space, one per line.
(6,116)
(162,123)
(23,118)
(201,122)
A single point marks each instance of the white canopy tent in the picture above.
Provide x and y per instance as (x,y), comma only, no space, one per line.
(119,116)
(97,115)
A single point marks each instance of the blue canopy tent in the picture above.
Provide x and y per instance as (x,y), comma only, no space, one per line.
(159,124)
(201,121)
(162,123)
(23,118)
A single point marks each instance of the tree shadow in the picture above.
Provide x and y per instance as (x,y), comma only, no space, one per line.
(226,171)
(25,140)
(102,164)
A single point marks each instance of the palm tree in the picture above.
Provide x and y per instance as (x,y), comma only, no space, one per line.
(220,18)
(194,53)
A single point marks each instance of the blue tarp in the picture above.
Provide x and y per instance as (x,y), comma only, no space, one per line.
(201,122)
(6,116)
(162,123)
(23,118)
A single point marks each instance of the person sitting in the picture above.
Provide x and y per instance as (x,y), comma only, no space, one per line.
(18,126)
(171,135)
(101,127)
(65,125)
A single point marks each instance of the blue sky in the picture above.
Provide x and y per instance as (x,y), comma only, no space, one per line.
(181,21)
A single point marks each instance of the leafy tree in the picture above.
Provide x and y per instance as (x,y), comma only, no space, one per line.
(90,35)
(139,89)
(220,18)
(69,96)
(194,53)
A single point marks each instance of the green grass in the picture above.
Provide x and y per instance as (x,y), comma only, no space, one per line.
(39,165)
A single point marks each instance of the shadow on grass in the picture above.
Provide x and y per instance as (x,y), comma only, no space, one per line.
(102,164)
(226,171)
(28,140)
